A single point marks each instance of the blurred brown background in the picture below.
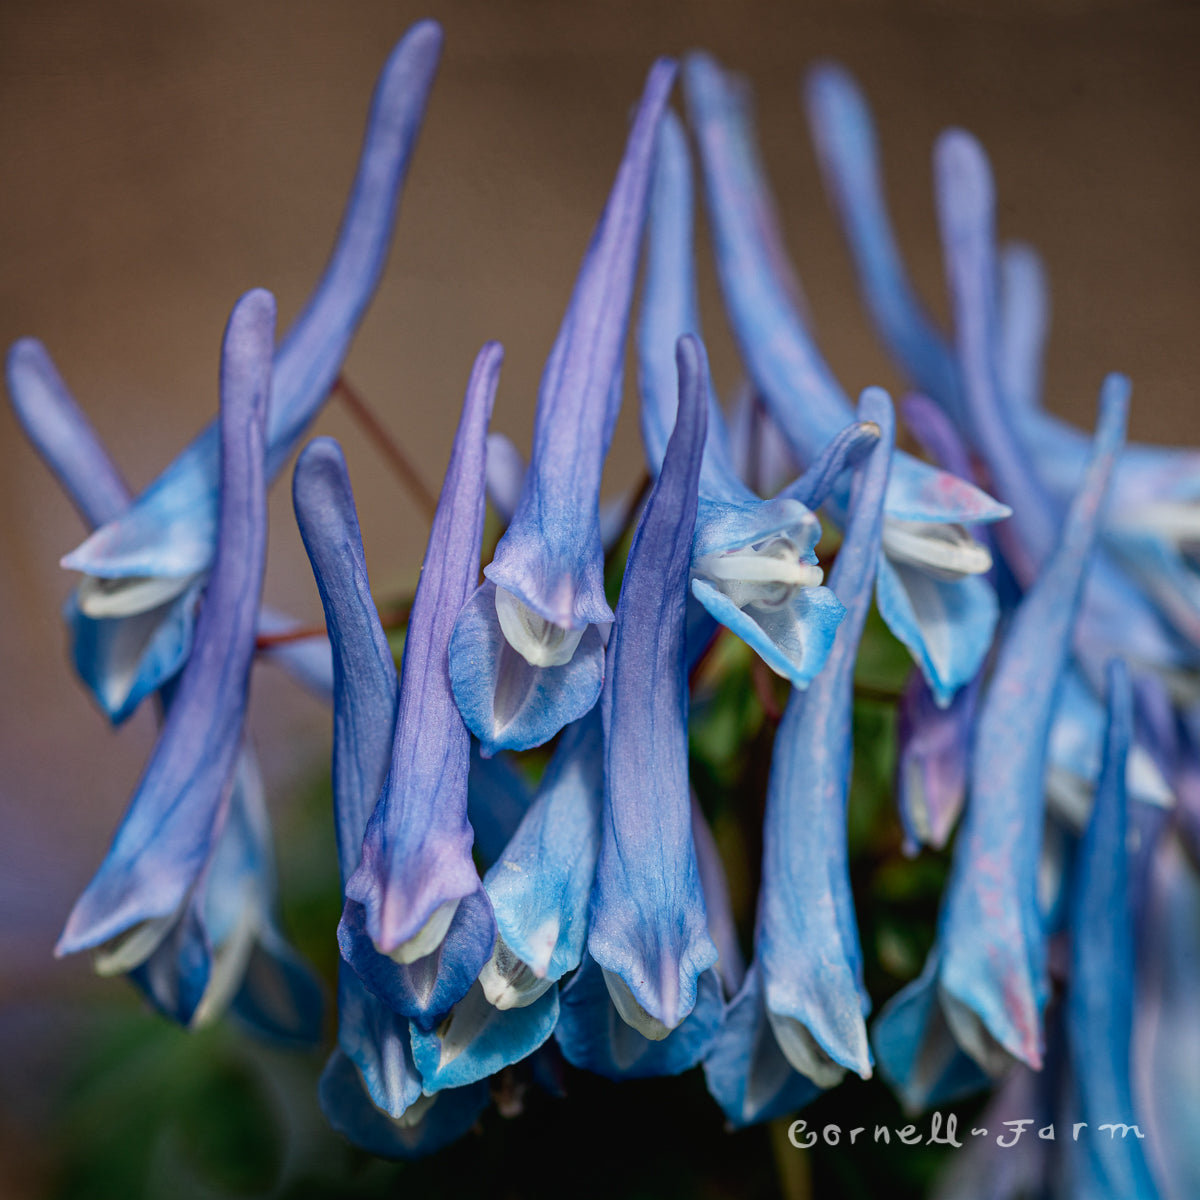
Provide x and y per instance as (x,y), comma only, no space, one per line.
(161,158)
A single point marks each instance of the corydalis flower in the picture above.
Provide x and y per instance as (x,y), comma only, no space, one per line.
(224,947)
(649,931)
(929,583)
(417,925)
(1036,461)
(984,983)
(528,656)
(188,875)
(132,616)
(753,565)
(371,1088)
(797,1023)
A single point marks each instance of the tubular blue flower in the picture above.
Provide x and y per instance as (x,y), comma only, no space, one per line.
(929,583)
(648,929)
(371,1088)
(753,563)
(183,898)
(806,941)
(133,614)
(539,886)
(796,1024)
(528,655)
(1155,514)
(417,925)
(1099,1013)
(931,775)
(984,983)
(224,947)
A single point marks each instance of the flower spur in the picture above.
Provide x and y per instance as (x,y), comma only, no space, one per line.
(132,615)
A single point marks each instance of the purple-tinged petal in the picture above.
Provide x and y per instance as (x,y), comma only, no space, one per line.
(416,869)
(1099,1012)
(931,775)
(593,1035)
(365,692)
(171,531)
(550,557)
(760,452)
(848,154)
(991,974)
(806,940)
(648,924)
(62,435)
(505,475)
(174,817)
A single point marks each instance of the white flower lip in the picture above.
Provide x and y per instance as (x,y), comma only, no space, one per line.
(765,574)
(539,642)
(946,552)
(99,596)
(428,938)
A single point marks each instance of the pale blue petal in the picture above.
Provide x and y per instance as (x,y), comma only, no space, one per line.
(504,701)
(172,528)
(168,830)
(539,886)
(478,1040)
(806,939)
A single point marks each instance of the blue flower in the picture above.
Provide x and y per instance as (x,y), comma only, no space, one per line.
(1036,463)
(132,616)
(753,565)
(984,984)
(184,900)
(797,1024)
(528,655)
(371,1090)
(648,928)
(929,583)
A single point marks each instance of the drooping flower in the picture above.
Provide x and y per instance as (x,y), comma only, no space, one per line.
(417,925)
(753,563)
(797,1024)
(371,1089)
(648,928)
(984,985)
(133,614)
(929,583)
(1038,462)
(528,655)
(184,902)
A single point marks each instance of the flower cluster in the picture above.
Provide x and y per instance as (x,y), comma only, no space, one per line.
(1052,712)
